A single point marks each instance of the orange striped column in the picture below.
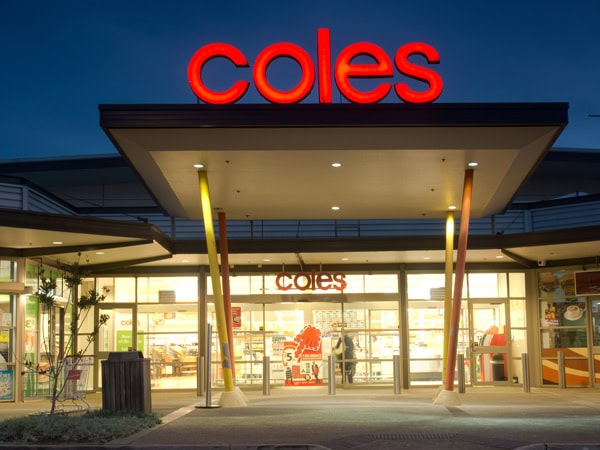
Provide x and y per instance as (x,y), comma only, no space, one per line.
(224,247)
(461,257)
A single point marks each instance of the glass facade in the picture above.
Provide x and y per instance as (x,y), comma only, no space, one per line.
(162,317)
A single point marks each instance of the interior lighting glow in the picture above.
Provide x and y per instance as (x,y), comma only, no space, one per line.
(199,166)
(57,242)
(473,164)
(335,208)
(99,253)
(452,207)
(336,164)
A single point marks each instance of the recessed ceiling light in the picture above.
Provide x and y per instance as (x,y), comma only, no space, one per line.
(266,259)
(499,256)
(473,164)
(99,253)
(185,261)
(426,257)
(199,166)
(335,208)
(452,207)
(57,242)
(336,164)
(345,259)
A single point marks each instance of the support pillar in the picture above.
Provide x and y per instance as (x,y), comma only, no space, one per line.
(445,396)
(230,396)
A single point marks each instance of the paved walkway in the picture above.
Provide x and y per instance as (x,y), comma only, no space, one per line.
(369,419)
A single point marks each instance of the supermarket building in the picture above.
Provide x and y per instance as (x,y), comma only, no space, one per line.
(336,219)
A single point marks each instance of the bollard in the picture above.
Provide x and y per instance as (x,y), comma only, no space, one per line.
(206,361)
(208,364)
(331,374)
(201,377)
(525,362)
(397,376)
(561,370)
(460,364)
(266,375)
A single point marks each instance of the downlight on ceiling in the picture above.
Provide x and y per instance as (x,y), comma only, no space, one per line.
(336,164)
(473,164)
(335,208)
(199,166)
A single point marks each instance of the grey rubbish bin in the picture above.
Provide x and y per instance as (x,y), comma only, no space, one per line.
(498,367)
(126,382)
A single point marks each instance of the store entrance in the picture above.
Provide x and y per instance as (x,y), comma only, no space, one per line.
(488,333)
(116,335)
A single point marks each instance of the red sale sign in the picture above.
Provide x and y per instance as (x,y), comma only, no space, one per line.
(344,70)
(302,358)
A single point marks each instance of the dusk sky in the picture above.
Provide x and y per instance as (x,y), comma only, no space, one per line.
(61,59)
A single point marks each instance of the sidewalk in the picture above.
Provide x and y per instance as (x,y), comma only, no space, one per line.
(372,418)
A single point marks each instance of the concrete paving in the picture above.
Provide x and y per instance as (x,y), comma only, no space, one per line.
(368,418)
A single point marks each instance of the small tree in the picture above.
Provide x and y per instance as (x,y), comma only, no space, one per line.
(80,309)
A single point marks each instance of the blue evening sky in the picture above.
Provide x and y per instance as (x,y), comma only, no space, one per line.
(61,59)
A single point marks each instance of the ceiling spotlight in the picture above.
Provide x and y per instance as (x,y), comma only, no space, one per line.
(99,253)
(335,208)
(336,164)
(452,207)
(199,166)
(57,242)
(473,164)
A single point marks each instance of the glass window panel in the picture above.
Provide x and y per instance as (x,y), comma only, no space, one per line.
(238,285)
(167,289)
(557,338)
(518,342)
(517,284)
(518,313)
(487,285)
(425,285)
(381,283)
(8,270)
(596,321)
(561,312)
(557,284)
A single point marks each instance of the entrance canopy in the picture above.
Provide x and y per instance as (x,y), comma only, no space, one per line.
(276,161)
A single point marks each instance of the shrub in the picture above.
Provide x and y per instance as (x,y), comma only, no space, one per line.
(91,427)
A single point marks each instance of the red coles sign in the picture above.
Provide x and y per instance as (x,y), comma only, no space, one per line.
(311,281)
(344,71)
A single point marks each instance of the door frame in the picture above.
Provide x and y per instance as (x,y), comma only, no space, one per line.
(103,355)
(477,351)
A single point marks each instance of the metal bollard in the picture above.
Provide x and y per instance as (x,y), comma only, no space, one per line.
(208,364)
(561,370)
(460,365)
(201,377)
(266,375)
(525,363)
(331,374)
(397,375)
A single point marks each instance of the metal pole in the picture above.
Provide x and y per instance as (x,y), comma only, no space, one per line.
(525,362)
(201,377)
(561,370)
(331,374)
(397,376)
(266,375)
(460,362)
(208,364)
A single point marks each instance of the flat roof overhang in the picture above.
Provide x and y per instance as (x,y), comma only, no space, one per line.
(270,162)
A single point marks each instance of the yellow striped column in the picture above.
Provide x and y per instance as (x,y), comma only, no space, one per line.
(213,263)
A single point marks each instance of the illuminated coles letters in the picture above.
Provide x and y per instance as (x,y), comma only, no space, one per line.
(313,280)
(344,70)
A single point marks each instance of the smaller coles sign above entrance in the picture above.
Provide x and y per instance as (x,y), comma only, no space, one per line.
(341,67)
(313,280)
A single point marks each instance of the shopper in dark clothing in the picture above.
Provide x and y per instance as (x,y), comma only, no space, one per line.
(349,357)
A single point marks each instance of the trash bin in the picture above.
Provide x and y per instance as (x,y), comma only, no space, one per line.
(126,382)
(497,363)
